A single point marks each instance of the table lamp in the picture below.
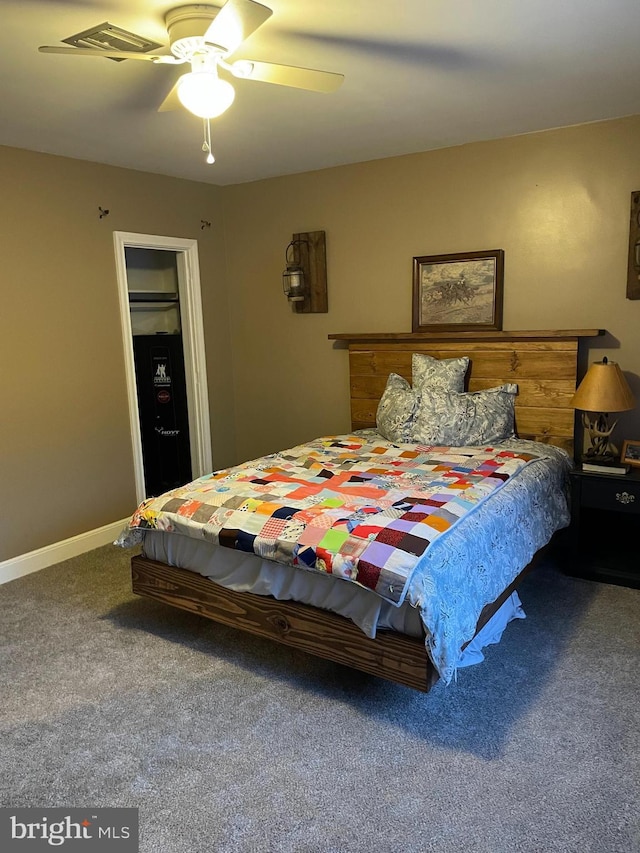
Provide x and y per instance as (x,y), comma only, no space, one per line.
(603,390)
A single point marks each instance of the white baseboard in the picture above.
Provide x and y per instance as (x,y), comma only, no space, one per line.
(59,551)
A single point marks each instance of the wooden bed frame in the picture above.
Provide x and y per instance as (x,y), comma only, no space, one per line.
(545,367)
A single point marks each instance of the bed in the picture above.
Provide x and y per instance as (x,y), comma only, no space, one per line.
(393,610)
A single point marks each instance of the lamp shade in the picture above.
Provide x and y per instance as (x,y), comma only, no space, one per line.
(204,94)
(603,389)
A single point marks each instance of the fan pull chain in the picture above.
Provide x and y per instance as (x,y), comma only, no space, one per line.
(206,145)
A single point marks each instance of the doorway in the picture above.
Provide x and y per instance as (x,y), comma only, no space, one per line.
(163,340)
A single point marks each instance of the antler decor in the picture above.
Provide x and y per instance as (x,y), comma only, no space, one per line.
(599,434)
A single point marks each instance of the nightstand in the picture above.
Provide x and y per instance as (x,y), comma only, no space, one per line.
(605,515)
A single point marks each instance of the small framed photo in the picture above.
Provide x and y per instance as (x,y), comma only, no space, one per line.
(458,292)
(631,453)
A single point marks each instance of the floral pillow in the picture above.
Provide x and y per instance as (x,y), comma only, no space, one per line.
(396,410)
(458,420)
(438,374)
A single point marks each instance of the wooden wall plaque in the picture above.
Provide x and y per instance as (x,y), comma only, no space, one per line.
(310,251)
(633,270)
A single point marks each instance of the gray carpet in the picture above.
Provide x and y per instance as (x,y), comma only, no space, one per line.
(229,743)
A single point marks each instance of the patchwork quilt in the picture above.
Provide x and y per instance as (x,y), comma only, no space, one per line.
(355,506)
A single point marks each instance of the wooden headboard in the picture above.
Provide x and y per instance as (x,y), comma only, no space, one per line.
(544,364)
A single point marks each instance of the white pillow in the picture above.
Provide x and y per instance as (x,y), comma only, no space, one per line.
(438,374)
(396,410)
(458,420)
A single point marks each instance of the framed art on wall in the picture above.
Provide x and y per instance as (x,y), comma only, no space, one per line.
(458,292)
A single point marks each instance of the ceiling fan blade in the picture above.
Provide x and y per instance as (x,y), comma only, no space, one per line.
(290,75)
(171,102)
(111,54)
(235,22)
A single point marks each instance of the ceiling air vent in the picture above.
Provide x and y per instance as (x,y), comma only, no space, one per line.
(109,37)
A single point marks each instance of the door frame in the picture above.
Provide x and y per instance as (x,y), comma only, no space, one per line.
(193,344)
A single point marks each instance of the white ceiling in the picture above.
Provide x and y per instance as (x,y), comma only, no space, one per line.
(419,74)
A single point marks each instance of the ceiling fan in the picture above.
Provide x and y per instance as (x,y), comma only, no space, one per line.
(205,36)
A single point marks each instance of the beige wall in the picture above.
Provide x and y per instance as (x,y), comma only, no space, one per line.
(65,448)
(556,202)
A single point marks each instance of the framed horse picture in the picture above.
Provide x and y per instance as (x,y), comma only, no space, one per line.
(458,292)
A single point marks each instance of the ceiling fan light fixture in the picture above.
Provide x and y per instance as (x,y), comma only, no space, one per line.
(204,36)
(204,94)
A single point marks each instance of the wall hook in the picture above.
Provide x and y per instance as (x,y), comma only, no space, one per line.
(103,212)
